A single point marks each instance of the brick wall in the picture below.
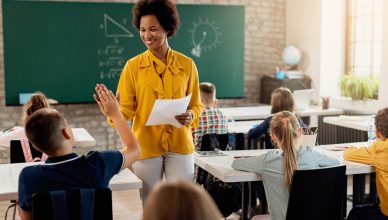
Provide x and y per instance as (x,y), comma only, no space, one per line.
(264,41)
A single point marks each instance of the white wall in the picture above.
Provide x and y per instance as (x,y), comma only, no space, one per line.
(318,28)
(383,89)
(333,31)
(303,28)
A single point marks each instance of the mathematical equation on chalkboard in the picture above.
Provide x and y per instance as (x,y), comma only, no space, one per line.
(111,61)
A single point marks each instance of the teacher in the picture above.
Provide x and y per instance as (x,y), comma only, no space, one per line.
(159,73)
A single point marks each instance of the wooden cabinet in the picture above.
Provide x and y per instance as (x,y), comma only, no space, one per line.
(268,84)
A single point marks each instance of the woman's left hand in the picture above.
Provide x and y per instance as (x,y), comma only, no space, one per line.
(184,118)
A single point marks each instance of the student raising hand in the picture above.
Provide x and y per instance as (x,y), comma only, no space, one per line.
(109,106)
(107,102)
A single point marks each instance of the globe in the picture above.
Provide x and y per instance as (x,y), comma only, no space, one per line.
(291,55)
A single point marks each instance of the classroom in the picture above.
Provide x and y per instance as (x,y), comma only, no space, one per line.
(246,48)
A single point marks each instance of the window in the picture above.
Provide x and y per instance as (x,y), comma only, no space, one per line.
(364,36)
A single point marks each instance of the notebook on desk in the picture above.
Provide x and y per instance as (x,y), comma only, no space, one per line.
(302,98)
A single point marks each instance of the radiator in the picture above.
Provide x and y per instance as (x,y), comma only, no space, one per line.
(333,134)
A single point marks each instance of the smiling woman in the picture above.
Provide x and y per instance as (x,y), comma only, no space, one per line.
(159,73)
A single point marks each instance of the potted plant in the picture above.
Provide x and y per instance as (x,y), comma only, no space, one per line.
(359,87)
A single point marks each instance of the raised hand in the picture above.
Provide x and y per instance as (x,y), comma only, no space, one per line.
(107,101)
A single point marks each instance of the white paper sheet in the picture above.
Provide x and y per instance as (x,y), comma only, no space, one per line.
(165,110)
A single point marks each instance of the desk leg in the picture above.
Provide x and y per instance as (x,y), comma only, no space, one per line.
(358,189)
(245,200)
(345,199)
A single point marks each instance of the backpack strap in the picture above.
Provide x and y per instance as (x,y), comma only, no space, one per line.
(44,157)
(26,150)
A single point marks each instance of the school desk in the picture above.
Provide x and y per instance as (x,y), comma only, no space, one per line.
(9,175)
(220,167)
(358,122)
(242,126)
(263,111)
(82,138)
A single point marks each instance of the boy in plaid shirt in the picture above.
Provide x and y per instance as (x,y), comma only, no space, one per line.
(212,120)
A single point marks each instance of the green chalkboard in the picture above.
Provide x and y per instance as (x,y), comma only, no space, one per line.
(64,48)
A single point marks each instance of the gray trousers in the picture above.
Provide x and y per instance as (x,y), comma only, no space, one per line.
(171,165)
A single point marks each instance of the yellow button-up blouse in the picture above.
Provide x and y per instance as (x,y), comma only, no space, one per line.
(144,79)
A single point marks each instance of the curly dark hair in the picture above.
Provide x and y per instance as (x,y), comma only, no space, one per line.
(164,10)
(381,122)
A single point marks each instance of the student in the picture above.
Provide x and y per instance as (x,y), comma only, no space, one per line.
(281,100)
(212,119)
(376,155)
(177,200)
(49,132)
(276,167)
(37,101)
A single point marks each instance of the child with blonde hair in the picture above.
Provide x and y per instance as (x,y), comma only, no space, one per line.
(186,200)
(37,101)
(212,119)
(277,167)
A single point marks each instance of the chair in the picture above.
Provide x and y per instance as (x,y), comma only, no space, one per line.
(235,140)
(256,143)
(16,152)
(221,141)
(81,204)
(317,194)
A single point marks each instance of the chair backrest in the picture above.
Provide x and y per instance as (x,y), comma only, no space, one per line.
(317,194)
(16,152)
(235,140)
(81,204)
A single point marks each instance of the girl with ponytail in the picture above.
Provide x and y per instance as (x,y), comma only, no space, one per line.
(277,167)
(37,101)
